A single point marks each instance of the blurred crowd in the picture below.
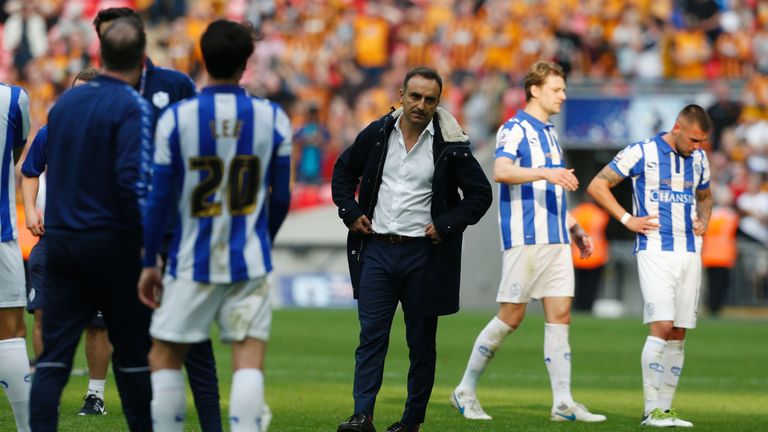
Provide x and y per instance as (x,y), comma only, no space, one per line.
(336,65)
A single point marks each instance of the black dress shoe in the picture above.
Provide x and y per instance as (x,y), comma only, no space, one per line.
(399,427)
(359,422)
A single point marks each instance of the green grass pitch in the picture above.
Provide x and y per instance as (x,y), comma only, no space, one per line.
(309,367)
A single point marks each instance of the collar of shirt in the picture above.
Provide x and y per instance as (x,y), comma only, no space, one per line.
(223,88)
(110,79)
(429,129)
(666,148)
(538,124)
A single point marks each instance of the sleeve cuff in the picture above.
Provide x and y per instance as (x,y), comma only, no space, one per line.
(617,170)
(501,153)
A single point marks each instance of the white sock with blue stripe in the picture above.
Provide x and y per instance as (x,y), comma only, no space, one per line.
(15,379)
(557,357)
(652,362)
(674,356)
(246,401)
(169,401)
(483,350)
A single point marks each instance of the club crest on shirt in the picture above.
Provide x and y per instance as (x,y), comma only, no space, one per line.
(161,99)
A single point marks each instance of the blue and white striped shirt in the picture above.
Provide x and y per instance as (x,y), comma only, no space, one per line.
(664,183)
(221,151)
(535,212)
(14,106)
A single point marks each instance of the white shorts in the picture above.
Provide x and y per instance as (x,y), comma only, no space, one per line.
(187,309)
(536,271)
(670,282)
(13,287)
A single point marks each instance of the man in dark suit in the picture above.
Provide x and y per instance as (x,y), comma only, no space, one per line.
(405,233)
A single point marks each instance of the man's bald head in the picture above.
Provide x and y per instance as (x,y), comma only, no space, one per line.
(123,44)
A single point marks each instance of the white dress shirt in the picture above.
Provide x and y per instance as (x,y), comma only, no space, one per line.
(405,194)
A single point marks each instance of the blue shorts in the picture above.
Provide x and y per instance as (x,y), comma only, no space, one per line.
(36,286)
(36,269)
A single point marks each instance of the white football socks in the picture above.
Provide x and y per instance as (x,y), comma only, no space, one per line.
(15,373)
(96,387)
(674,357)
(486,344)
(246,401)
(169,404)
(557,357)
(652,362)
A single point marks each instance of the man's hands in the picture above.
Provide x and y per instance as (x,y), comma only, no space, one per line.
(361,226)
(34,222)
(563,177)
(431,233)
(699,228)
(151,286)
(643,224)
(583,241)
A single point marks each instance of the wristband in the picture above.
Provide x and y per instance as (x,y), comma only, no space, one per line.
(625,218)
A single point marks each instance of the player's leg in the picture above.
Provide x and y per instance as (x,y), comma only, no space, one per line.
(657,281)
(513,296)
(250,302)
(201,372)
(14,364)
(98,351)
(37,333)
(686,303)
(36,295)
(169,406)
(555,286)
(184,317)
(557,348)
(464,396)
(68,308)
(248,410)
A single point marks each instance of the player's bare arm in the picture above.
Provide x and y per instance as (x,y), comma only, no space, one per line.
(505,171)
(600,190)
(581,239)
(703,211)
(32,217)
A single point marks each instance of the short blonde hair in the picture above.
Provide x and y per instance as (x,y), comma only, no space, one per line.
(538,73)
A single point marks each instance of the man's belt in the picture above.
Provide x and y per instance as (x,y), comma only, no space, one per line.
(395,238)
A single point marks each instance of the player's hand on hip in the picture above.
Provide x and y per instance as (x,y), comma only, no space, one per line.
(699,228)
(643,224)
(361,226)
(563,177)
(151,286)
(431,233)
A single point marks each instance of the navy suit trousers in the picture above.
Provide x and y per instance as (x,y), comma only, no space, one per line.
(392,274)
(85,274)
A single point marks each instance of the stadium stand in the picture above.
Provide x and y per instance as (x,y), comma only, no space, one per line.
(345,57)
